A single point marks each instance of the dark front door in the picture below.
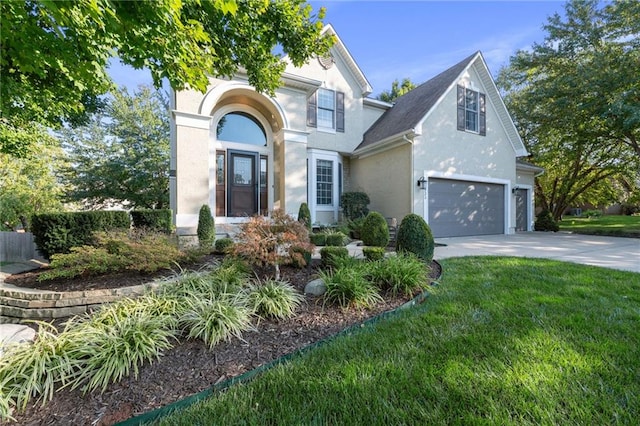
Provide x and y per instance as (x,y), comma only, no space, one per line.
(242,183)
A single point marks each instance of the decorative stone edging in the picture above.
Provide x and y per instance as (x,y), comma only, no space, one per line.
(17,304)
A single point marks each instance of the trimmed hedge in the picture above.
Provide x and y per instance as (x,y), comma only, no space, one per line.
(154,220)
(58,232)
(319,239)
(206,227)
(304,215)
(329,255)
(373,254)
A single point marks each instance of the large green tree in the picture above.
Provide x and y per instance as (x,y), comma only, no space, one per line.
(55,53)
(122,154)
(29,185)
(397,89)
(576,99)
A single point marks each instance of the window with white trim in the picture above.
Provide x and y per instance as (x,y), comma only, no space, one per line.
(325,110)
(324,182)
(472,111)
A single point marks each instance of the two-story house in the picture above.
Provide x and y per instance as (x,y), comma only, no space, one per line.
(447,150)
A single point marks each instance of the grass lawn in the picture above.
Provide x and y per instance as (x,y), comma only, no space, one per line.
(615,226)
(501,341)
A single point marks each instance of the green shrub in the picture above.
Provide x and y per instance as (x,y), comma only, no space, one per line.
(355,228)
(373,253)
(545,222)
(145,252)
(354,205)
(330,255)
(402,274)
(349,287)
(274,299)
(335,239)
(304,216)
(414,236)
(206,227)
(592,213)
(155,220)
(223,245)
(58,232)
(319,239)
(375,231)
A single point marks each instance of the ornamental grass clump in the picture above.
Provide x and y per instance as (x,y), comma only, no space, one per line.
(274,299)
(217,319)
(349,287)
(402,274)
(36,370)
(117,342)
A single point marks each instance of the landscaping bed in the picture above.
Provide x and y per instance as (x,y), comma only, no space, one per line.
(190,366)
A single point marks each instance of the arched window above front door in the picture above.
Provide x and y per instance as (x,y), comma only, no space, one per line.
(242,128)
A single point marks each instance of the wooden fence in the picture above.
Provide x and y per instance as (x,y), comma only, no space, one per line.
(17,247)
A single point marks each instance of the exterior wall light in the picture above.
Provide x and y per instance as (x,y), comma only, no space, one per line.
(422,183)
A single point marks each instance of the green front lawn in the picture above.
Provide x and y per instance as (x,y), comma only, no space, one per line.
(615,226)
(501,341)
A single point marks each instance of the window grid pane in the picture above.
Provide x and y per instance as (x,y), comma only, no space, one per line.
(324,182)
(471,110)
(326,108)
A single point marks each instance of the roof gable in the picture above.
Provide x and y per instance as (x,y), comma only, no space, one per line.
(411,109)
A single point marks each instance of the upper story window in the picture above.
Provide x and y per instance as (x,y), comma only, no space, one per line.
(472,111)
(242,128)
(325,110)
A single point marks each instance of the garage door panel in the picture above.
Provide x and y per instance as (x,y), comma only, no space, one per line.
(461,208)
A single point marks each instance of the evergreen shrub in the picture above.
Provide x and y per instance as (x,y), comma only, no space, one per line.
(373,253)
(354,205)
(331,255)
(375,231)
(223,245)
(56,233)
(304,216)
(414,236)
(206,227)
(153,220)
(318,239)
(545,222)
(335,239)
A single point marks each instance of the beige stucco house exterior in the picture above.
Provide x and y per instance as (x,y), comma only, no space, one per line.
(447,150)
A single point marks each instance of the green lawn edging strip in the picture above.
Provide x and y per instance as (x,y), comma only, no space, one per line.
(251,374)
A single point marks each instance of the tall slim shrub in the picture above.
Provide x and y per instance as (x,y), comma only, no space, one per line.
(414,236)
(206,227)
(304,216)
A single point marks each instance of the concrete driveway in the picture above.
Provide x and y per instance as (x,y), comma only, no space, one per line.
(608,252)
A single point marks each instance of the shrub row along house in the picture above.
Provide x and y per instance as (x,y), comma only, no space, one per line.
(447,151)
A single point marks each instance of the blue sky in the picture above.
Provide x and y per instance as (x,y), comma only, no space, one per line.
(418,39)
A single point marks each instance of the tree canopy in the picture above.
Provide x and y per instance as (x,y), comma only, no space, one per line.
(576,100)
(30,185)
(55,53)
(397,89)
(122,154)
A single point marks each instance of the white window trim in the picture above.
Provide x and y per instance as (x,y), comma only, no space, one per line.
(477,111)
(313,155)
(326,129)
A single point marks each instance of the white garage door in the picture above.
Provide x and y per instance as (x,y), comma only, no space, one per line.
(461,208)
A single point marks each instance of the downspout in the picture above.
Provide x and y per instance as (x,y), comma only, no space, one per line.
(412,191)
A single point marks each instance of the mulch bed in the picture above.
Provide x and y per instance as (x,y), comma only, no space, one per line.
(191,367)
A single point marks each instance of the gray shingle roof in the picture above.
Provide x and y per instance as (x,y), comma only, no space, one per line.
(413,106)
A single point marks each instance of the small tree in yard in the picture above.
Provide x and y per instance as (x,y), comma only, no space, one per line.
(206,227)
(275,241)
